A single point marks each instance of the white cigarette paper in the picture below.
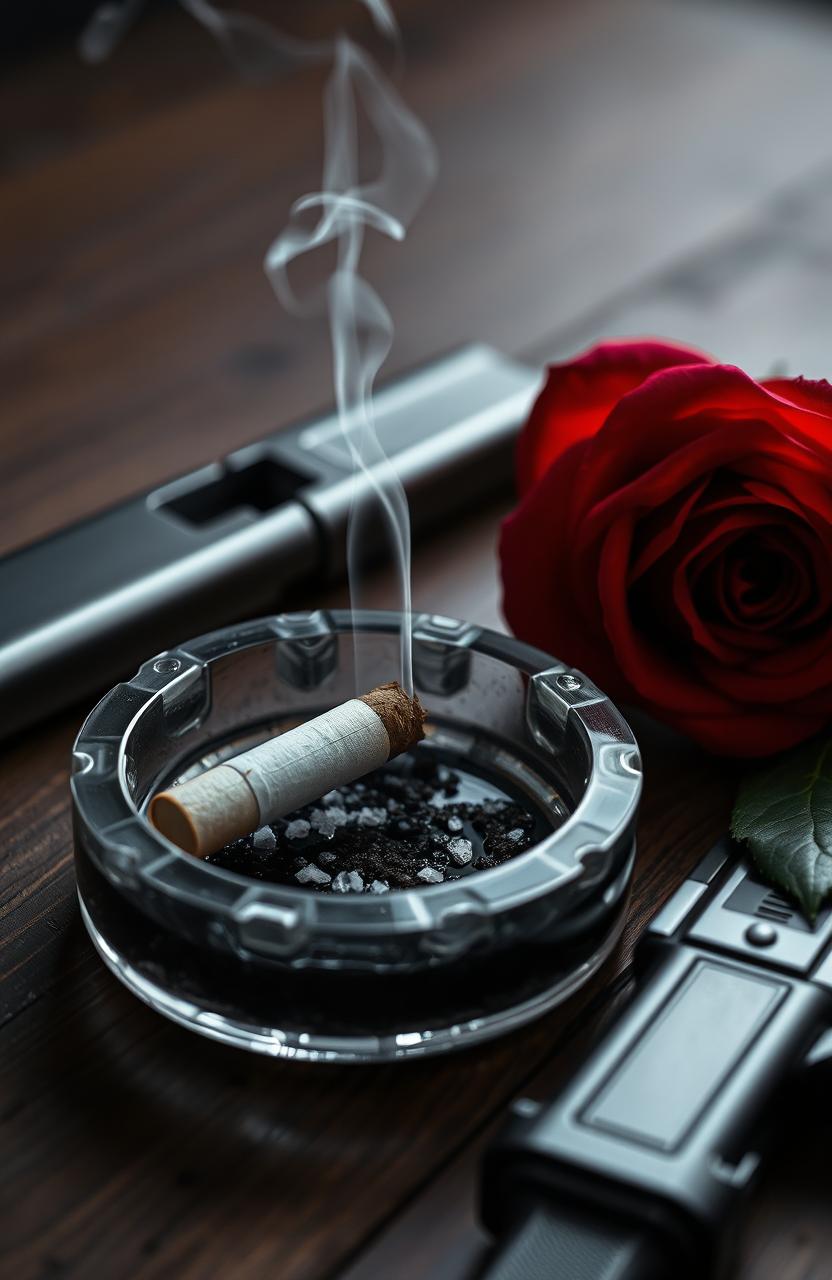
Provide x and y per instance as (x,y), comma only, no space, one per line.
(257,787)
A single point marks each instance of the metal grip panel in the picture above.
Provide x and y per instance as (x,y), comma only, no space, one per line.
(656,1092)
(666,1123)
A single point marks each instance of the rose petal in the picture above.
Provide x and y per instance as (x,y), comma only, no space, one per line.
(539,602)
(801,482)
(803,393)
(698,458)
(805,594)
(753,685)
(744,602)
(657,535)
(578,395)
(749,733)
(703,547)
(657,678)
(655,422)
(716,449)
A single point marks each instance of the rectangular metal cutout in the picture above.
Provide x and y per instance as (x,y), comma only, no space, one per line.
(261,486)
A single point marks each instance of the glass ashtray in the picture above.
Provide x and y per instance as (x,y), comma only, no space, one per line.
(283,970)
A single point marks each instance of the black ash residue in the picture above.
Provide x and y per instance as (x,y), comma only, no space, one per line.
(413,823)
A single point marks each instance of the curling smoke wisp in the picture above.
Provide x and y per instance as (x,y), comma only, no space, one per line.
(341,212)
(360,325)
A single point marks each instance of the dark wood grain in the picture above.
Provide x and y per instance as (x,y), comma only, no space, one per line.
(597,160)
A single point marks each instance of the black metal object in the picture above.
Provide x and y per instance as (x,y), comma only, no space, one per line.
(86,605)
(661,1135)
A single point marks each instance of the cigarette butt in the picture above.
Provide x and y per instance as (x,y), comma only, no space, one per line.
(289,771)
(207,812)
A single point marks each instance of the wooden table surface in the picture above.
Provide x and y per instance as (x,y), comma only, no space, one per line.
(607,167)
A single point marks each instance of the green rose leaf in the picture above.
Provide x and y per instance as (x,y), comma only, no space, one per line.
(784,814)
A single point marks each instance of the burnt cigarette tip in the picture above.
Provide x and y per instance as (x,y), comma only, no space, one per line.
(402,716)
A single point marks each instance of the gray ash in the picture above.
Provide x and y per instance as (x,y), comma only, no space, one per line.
(417,821)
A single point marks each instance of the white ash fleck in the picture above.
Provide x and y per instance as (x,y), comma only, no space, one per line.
(264,839)
(297,830)
(323,822)
(310,874)
(461,850)
(516,835)
(331,797)
(455,824)
(430,875)
(348,882)
(369,816)
(378,886)
(338,815)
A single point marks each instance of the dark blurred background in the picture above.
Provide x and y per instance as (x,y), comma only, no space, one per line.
(608,166)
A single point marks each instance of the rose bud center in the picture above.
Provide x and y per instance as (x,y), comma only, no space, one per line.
(763,581)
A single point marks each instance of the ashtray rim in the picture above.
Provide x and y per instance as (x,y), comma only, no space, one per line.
(566,703)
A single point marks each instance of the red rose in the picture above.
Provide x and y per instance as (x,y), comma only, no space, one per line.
(674,541)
